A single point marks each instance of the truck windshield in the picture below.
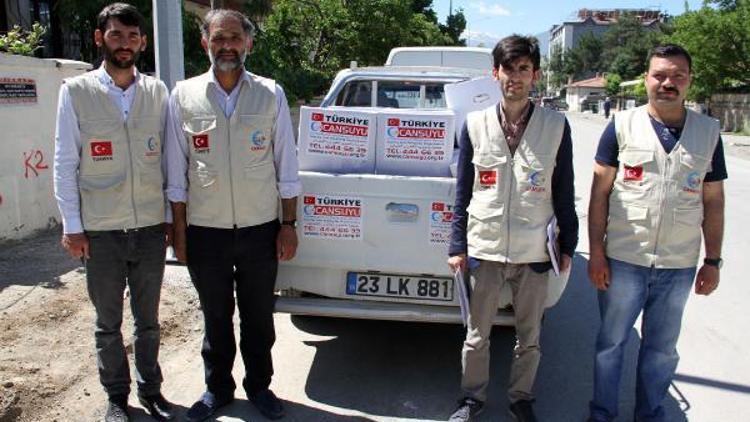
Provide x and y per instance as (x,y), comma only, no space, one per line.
(395,94)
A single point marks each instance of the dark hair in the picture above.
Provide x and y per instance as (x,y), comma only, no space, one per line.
(669,50)
(123,12)
(215,14)
(513,47)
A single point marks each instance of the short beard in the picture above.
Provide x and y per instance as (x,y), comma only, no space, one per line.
(111,57)
(228,65)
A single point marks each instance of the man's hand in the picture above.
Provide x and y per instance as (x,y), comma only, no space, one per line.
(457,263)
(707,280)
(77,244)
(286,243)
(179,242)
(565,261)
(599,271)
(169,233)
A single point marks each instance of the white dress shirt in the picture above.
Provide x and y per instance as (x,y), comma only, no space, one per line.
(284,147)
(68,147)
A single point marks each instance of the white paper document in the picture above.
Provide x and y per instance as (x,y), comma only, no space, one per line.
(552,247)
(463,296)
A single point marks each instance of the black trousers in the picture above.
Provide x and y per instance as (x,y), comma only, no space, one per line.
(222,262)
(135,258)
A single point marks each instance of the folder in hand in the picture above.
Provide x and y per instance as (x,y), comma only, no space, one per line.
(552,246)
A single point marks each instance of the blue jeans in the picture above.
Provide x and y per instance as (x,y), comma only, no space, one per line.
(661,294)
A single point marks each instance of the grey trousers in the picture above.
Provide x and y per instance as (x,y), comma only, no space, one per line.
(529,294)
(135,257)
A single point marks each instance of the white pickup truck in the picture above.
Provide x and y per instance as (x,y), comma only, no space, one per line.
(393,271)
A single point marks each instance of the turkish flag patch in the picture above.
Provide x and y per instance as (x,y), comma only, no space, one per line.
(101,148)
(487,178)
(317,117)
(394,122)
(438,206)
(309,200)
(200,141)
(633,174)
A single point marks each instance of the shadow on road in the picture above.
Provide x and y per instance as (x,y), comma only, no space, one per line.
(35,261)
(410,370)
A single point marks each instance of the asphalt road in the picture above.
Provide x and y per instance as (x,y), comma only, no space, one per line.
(342,370)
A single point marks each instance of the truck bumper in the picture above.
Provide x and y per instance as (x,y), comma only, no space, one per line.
(379,310)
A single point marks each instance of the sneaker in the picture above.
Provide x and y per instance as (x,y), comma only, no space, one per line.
(467,410)
(117,410)
(521,411)
(267,404)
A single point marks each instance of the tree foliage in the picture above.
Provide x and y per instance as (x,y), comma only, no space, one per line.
(613,81)
(719,42)
(626,46)
(21,42)
(303,43)
(585,59)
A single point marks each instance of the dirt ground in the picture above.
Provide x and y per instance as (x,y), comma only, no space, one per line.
(47,359)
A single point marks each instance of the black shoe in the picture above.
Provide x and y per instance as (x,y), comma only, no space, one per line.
(267,404)
(117,410)
(205,407)
(467,410)
(158,407)
(521,411)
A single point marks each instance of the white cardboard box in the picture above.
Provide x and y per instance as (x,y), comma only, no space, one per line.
(467,96)
(414,142)
(337,140)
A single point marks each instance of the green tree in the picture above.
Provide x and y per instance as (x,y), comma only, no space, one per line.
(304,42)
(726,63)
(555,67)
(455,24)
(613,84)
(585,59)
(626,46)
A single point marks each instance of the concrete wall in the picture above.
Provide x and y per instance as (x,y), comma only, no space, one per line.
(27,131)
(732,110)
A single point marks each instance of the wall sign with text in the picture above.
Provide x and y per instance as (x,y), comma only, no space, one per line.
(17,91)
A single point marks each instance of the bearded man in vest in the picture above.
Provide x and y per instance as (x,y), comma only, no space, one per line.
(232,156)
(515,172)
(658,180)
(109,185)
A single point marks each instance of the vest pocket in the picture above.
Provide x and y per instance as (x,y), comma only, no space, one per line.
(484,211)
(199,124)
(146,141)
(489,174)
(628,212)
(535,179)
(688,216)
(102,149)
(202,178)
(102,196)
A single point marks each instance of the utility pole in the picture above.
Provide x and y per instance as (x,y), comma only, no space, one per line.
(170,62)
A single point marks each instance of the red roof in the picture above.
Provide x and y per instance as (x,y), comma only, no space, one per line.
(598,82)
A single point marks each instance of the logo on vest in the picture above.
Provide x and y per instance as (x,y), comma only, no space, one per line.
(536,181)
(200,143)
(152,147)
(258,141)
(633,174)
(487,179)
(692,182)
(101,150)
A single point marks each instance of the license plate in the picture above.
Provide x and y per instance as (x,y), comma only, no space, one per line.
(399,286)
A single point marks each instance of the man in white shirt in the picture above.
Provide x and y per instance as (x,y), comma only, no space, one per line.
(231,157)
(109,188)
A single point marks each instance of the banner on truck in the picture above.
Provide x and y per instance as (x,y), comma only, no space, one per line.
(337,217)
(415,143)
(337,140)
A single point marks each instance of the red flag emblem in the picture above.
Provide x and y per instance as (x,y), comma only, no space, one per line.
(633,173)
(200,141)
(393,122)
(488,177)
(309,200)
(101,149)
(317,117)
(438,206)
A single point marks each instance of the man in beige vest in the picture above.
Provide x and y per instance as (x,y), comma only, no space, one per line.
(515,172)
(109,188)
(232,157)
(658,180)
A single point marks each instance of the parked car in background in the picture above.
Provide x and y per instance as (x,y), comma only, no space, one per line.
(555,103)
